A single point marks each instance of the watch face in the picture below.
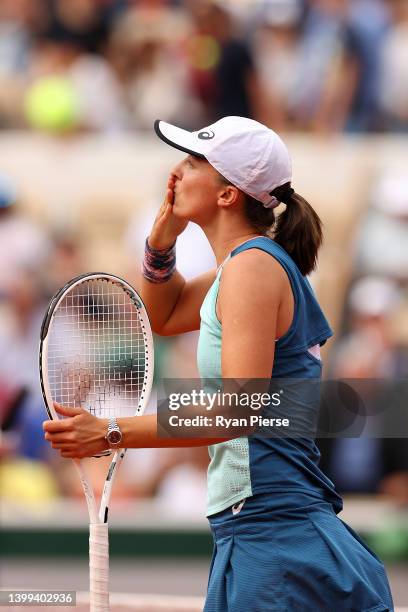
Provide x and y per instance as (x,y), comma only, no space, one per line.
(114,437)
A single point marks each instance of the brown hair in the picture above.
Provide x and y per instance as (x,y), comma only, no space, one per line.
(298,229)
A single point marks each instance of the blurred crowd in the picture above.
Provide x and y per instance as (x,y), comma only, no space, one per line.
(69,67)
(374,343)
(111,65)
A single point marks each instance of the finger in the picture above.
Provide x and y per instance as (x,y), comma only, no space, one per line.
(67,446)
(167,211)
(58,425)
(171,186)
(67,411)
(170,196)
(163,206)
(73,454)
(69,455)
(169,202)
(66,436)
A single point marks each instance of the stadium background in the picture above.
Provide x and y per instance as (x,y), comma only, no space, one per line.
(81,176)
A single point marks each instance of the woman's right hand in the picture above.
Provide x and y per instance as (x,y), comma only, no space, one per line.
(166,226)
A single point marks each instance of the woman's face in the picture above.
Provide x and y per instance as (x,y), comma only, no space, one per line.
(196,191)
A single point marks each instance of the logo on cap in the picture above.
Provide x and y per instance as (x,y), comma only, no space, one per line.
(205,135)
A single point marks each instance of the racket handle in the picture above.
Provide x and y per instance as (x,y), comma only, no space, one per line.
(99,567)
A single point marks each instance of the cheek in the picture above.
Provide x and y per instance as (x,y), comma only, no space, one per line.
(192,185)
(196,197)
(190,193)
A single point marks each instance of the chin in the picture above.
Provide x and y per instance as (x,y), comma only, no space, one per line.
(180,213)
(185,212)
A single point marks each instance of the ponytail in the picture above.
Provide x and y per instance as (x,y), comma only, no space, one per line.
(298,229)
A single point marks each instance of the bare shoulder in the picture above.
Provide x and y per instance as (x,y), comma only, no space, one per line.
(255,270)
(251,289)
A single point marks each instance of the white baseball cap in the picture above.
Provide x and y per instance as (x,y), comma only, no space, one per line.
(248,154)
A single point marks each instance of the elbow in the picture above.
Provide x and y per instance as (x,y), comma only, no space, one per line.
(157,329)
(161,330)
(166,332)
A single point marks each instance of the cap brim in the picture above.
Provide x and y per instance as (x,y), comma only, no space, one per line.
(180,139)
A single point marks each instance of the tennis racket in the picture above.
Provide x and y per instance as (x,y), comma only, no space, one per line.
(96,352)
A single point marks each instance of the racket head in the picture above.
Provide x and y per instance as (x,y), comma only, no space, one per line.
(96,348)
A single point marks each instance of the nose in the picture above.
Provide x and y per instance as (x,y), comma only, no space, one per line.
(177,171)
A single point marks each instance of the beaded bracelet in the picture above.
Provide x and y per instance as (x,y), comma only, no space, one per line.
(158,264)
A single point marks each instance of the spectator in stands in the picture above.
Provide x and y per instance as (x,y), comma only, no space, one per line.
(98,102)
(370,350)
(24,246)
(82,23)
(307,63)
(277,56)
(23,308)
(145,50)
(364,40)
(323,65)
(323,89)
(67,262)
(394,65)
(20,21)
(222,65)
(24,252)
(382,242)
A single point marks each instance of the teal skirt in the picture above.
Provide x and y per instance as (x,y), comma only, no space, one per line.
(292,559)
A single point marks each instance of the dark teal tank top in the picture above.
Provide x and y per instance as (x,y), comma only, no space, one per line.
(256,464)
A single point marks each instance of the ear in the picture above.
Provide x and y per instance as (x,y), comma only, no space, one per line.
(228,196)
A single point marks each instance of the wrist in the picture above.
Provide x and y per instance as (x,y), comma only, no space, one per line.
(103,446)
(113,436)
(156,245)
(158,265)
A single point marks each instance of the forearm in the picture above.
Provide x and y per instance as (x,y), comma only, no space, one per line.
(141,432)
(160,299)
(81,434)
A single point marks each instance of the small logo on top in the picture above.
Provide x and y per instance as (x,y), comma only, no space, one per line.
(206,135)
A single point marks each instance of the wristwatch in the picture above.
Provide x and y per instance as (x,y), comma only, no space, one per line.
(114,435)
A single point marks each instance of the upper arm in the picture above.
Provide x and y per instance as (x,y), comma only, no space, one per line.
(185,315)
(251,289)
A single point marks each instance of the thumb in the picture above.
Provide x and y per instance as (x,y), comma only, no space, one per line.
(67,411)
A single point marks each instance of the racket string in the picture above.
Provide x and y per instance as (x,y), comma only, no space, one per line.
(98,350)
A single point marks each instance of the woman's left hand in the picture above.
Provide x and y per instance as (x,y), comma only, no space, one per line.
(79,435)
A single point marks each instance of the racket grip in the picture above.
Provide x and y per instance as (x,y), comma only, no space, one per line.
(99,567)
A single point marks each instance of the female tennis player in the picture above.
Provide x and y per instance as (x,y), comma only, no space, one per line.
(279,544)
